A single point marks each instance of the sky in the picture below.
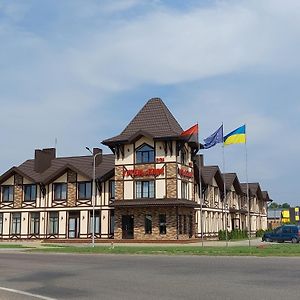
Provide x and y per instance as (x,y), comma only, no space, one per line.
(77,71)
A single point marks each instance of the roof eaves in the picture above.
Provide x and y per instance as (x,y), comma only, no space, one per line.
(11,172)
(63,169)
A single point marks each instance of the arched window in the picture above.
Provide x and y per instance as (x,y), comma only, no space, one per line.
(144,154)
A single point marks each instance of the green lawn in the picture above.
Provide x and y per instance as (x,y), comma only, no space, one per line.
(266,250)
(7,246)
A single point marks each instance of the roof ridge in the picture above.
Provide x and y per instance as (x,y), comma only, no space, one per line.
(167,113)
(137,115)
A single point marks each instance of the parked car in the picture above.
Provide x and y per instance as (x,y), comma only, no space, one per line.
(283,233)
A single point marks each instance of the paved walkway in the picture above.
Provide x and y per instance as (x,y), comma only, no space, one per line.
(37,244)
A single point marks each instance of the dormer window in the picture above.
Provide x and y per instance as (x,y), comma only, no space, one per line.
(60,191)
(144,154)
(85,190)
(7,193)
(30,192)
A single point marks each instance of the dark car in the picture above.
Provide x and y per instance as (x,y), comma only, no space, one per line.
(282,234)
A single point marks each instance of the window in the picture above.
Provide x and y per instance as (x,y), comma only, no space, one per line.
(286,230)
(84,190)
(162,224)
(16,223)
(112,187)
(180,228)
(184,225)
(8,193)
(60,191)
(148,224)
(144,189)
(144,154)
(184,190)
(30,192)
(183,156)
(1,223)
(216,194)
(53,222)
(96,224)
(34,223)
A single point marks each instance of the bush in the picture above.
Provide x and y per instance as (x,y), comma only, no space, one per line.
(235,234)
(260,232)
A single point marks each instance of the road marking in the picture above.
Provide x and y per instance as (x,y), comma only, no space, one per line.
(26,293)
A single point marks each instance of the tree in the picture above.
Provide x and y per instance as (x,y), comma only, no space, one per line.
(274,205)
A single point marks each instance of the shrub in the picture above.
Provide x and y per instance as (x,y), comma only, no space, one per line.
(235,234)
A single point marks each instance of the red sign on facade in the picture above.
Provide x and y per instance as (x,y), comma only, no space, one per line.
(185,173)
(143,173)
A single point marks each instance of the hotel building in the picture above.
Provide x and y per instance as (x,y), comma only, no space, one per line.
(147,189)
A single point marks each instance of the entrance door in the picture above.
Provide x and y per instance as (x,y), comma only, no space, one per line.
(127,226)
(74,225)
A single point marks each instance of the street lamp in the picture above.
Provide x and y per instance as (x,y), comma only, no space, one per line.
(94,192)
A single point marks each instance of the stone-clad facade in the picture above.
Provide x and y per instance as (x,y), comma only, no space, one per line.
(148,189)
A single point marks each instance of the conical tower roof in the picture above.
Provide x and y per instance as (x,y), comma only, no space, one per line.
(154,120)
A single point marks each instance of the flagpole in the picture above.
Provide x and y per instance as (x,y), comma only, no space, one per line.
(200,194)
(225,195)
(201,202)
(248,197)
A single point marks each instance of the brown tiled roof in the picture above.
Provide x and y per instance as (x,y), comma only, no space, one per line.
(266,197)
(244,188)
(210,172)
(154,202)
(254,189)
(232,179)
(80,164)
(154,120)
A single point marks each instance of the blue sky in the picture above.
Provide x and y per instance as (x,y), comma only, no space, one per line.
(79,71)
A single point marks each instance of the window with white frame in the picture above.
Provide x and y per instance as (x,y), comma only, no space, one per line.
(53,222)
(15,223)
(34,223)
(184,190)
(96,223)
(1,223)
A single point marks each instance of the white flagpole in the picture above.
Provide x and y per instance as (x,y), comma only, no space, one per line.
(201,202)
(200,194)
(248,197)
(225,195)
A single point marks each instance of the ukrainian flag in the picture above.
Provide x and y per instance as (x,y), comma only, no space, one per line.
(237,136)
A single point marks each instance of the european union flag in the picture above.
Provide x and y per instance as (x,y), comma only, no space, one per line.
(215,138)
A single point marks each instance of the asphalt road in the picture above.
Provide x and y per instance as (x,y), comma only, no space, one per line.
(64,276)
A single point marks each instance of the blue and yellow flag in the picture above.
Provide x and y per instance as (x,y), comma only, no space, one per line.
(237,136)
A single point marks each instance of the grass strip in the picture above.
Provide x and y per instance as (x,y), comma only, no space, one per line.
(266,250)
(10,246)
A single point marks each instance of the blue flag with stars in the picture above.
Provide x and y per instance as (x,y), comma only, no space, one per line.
(215,138)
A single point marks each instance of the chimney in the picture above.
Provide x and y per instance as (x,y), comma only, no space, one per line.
(99,157)
(43,158)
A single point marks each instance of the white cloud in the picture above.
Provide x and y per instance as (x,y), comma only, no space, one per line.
(169,47)
(57,71)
